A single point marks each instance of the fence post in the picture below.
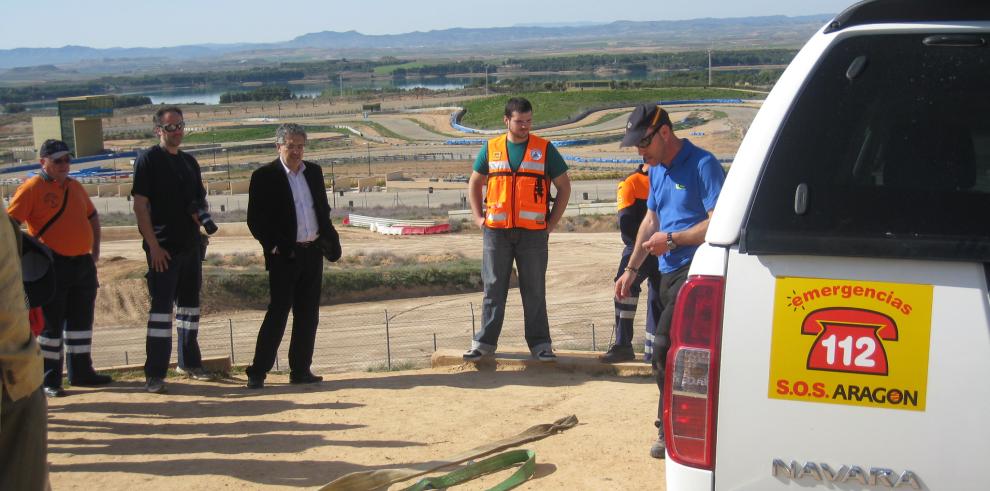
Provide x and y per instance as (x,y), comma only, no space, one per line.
(126,361)
(388,344)
(594,345)
(434,342)
(472,320)
(277,369)
(230,324)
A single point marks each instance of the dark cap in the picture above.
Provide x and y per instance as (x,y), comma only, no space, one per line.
(644,117)
(53,149)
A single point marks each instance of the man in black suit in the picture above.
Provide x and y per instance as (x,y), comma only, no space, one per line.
(287,211)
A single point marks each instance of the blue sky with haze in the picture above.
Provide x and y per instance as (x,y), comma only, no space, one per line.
(130,23)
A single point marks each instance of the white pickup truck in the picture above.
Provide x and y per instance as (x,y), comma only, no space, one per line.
(834,332)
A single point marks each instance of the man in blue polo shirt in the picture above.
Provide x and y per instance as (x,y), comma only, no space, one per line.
(682,198)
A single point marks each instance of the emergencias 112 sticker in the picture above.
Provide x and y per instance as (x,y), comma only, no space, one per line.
(858,343)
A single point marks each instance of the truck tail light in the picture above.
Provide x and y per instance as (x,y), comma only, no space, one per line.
(690,398)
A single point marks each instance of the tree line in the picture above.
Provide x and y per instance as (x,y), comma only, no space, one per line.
(266,93)
(636,63)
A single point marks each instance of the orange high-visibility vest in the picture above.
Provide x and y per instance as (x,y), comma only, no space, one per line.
(517,199)
(635,187)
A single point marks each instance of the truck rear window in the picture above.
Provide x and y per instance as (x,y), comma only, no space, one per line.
(888,147)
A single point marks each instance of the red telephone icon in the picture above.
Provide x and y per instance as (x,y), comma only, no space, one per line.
(849,340)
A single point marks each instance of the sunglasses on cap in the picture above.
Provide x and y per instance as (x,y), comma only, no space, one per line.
(173,127)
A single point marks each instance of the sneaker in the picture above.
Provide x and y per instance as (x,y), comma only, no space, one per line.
(196,373)
(91,380)
(546,355)
(659,447)
(618,354)
(52,392)
(255,383)
(472,355)
(155,385)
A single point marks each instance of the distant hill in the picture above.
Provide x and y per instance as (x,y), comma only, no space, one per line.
(748,32)
(28,57)
(794,30)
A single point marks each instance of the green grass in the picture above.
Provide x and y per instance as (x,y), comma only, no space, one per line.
(246,133)
(388,69)
(556,107)
(250,287)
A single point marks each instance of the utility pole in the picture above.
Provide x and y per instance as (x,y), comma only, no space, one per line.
(709,66)
(368,146)
(333,186)
(486,78)
(340,77)
(230,187)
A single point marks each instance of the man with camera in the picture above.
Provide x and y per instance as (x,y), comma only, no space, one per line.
(289,214)
(170,206)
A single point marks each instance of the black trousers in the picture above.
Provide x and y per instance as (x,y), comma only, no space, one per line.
(670,286)
(294,283)
(177,286)
(69,320)
(625,309)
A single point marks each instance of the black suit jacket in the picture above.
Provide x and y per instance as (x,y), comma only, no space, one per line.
(271,213)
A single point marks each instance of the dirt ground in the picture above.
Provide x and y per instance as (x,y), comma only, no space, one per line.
(581,268)
(220,435)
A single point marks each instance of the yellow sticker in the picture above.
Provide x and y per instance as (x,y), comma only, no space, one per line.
(857,343)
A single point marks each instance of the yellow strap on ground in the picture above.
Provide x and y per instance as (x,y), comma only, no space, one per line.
(370,480)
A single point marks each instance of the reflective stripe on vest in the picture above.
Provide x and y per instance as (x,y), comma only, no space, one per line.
(517,199)
(499,166)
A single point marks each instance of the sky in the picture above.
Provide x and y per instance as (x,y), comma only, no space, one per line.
(131,23)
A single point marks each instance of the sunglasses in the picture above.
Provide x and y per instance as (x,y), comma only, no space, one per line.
(646,140)
(173,127)
(65,159)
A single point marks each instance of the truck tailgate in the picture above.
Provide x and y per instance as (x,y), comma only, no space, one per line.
(874,375)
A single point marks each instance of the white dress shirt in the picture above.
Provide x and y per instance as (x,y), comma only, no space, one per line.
(307,227)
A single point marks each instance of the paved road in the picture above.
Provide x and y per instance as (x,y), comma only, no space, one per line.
(408,128)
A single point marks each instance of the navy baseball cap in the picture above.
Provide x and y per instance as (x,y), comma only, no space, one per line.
(53,149)
(644,117)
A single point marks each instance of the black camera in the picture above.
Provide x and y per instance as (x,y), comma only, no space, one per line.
(202,211)
(208,224)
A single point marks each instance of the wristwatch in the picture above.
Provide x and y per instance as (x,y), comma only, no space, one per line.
(671,245)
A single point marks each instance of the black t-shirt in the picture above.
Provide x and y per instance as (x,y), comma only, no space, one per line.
(174,187)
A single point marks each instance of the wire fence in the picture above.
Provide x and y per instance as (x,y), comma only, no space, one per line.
(377,340)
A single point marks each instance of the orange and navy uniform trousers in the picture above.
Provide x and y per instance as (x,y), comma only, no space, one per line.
(631,202)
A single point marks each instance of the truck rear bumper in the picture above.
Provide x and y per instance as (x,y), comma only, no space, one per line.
(684,478)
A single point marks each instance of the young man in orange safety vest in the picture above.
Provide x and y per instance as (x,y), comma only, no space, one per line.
(516,219)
